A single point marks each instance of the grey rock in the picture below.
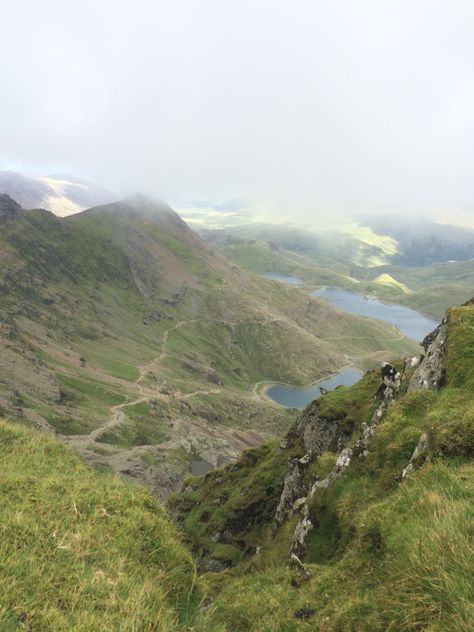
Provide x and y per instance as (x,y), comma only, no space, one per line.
(227,537)
(421,449)
(430,372)
(292,489)
(391,383)
(302,530)
(214,566)
(318,434)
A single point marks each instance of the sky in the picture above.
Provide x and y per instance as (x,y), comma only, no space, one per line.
(306,107)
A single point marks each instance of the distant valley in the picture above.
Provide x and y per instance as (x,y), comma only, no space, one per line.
(423,265)
(143,347)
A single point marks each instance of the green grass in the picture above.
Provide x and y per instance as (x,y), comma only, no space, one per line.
(409,568)
(81,550)
(385,554)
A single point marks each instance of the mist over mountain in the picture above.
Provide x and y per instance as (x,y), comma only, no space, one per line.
(322,110)
(62,194)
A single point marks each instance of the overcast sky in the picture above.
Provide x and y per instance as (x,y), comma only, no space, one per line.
(306,105)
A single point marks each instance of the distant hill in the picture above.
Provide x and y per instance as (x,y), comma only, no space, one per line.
(62,194)
(422,241)
(420,264)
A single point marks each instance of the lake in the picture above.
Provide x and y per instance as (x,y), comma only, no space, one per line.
(284,278)
(409,322)
(300,396)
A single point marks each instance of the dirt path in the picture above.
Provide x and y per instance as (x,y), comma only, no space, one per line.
(116,412)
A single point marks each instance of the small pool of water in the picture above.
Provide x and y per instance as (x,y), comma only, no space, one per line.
(408,321)
(299,397)
(199,467)
(284,278)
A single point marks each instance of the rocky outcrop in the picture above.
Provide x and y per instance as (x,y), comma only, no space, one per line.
(293,488)
(316,433)
(8,208)
(430,373)
(387,392)
(418,455)
(315,430)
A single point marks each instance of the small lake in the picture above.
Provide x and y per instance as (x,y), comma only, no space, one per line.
(284,278)
(299,397)
(408,321)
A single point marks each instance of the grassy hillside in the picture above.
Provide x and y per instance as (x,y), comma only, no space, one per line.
(123,332)
(81,550)
(386,553)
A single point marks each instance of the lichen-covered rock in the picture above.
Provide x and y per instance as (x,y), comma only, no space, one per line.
(302,530)
(316,433)
(430,372)
(293,488)
(214,566)
(388,391)
(420,451)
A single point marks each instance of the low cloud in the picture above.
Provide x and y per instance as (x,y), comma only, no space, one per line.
(308,108)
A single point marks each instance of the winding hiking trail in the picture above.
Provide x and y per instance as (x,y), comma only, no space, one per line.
(116,411)
(147,393)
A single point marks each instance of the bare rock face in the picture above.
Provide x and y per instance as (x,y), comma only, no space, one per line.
(317,434)
(316,431)
(387,392)
(430,373)
(302,530)
(420,451)
(293,488)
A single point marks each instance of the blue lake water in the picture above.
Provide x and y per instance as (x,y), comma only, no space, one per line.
(299,397)
(284,278)
(408,321)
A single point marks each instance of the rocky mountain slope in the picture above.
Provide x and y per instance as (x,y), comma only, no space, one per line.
(125,334)
(62,194)
(359,519)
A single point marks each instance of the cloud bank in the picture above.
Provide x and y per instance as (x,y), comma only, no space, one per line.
(308,106)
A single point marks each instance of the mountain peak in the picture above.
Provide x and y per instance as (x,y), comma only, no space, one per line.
(8,207)
(142,206)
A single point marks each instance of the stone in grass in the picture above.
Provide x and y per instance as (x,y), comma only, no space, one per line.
(304,613)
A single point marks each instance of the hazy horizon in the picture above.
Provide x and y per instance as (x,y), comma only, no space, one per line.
(306,110)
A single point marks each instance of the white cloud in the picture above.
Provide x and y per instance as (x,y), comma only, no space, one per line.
(309,106)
